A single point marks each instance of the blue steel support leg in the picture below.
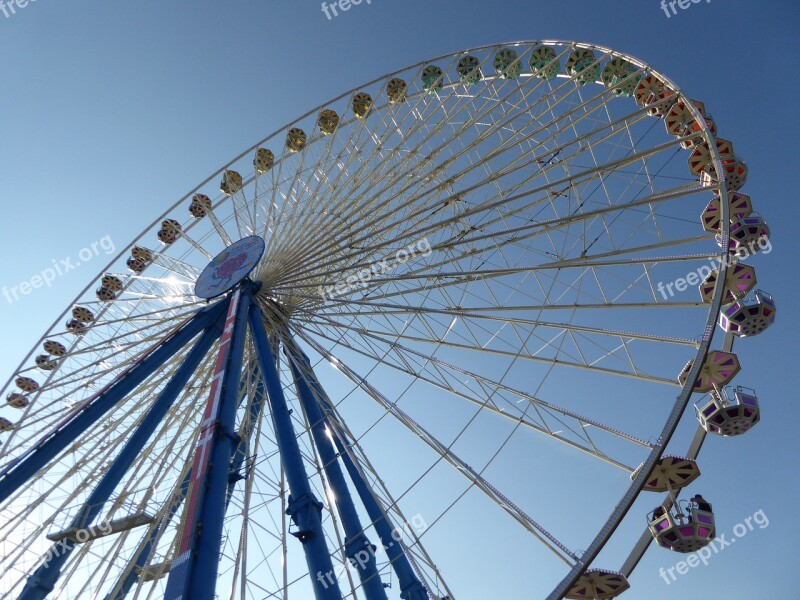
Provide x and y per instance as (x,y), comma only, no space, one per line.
(44,579)
(140,559)
(303,508)
(193,575)
(17,473)
(357,546)
(410,586)
(256,408)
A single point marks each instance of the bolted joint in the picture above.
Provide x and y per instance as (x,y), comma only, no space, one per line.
(232,435)
(415,591)
(306,514)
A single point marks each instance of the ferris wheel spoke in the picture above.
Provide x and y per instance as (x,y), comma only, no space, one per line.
(333,210)
(125,326)
(414,152)
(495,389)
(295,183)
(458,280)
(246,223)
(533,228)
(538,160)
(196,245)
(446,378)
(95,455)
(575,363)
(572,180)
(331,201)
(126,343)
(572,217)
(325,160)
(172,267)
(223,235)
(499,200)
(449,456)
(583,263)
(545,411)
(89,374)
(389,310)
(97,405)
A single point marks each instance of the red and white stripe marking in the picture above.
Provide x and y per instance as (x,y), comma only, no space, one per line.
(208,427)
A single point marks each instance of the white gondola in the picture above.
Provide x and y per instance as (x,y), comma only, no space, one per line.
(670,473)
(45,362)
(685,528)
(16,400)
(749,316)
(748,235)
(599,584)
(729,414)
(26,384)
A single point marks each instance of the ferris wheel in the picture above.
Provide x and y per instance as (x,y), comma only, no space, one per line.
(484,287)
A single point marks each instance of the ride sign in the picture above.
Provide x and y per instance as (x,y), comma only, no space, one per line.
(229,267)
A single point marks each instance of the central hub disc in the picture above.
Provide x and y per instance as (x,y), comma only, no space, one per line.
(229,267)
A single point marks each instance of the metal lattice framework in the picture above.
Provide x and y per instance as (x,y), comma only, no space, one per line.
(478,246)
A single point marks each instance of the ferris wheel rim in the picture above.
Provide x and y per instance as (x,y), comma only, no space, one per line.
(714,309)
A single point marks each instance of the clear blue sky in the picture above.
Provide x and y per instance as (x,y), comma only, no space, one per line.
(111,111)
